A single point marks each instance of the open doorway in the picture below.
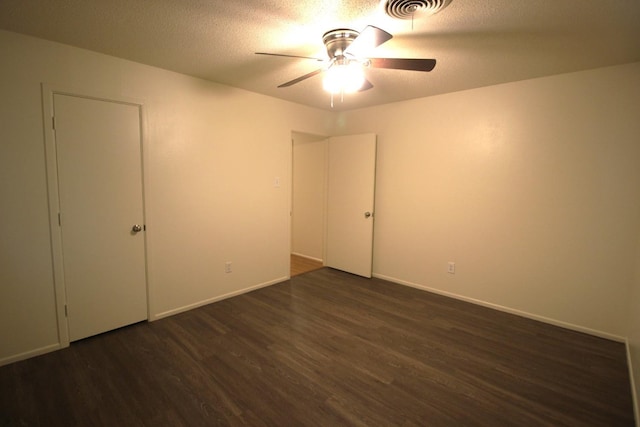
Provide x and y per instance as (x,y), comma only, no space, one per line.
(333,189)
(308,204)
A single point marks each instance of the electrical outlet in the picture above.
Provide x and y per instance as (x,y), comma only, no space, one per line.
(227,267)
(451,267)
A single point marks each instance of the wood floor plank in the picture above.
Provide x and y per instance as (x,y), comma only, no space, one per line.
(326,348)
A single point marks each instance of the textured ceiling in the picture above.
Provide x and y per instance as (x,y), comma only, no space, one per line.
(476,42)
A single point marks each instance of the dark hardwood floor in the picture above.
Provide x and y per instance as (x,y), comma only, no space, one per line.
(326,349)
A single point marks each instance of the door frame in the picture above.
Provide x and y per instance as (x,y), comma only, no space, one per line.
(55,232)
(325,233)
(315,138)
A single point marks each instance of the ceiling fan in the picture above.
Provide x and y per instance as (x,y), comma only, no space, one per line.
(345,67)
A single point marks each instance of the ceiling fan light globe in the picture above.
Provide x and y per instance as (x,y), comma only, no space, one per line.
(344,78)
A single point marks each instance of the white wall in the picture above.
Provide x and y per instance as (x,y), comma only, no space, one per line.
(211,155)
(530,187)
(309,194)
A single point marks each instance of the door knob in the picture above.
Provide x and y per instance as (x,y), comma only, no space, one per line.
(136,228)
(367,214)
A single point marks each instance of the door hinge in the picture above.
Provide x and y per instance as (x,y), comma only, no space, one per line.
(59,220)
(66,311)
(53,122)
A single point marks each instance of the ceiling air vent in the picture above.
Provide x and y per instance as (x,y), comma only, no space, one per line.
(409,9)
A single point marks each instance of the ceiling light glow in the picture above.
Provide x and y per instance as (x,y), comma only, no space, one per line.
(344,77)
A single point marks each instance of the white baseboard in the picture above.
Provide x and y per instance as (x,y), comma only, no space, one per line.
(188,307)
(31,353)
(53,347)
(307,257)
(520,313)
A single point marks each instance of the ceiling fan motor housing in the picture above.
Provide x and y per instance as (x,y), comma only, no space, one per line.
(337,41)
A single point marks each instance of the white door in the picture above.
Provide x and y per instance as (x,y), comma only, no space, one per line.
(99,159)
(350,202)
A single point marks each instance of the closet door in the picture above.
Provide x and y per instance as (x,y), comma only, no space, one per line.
(99,162)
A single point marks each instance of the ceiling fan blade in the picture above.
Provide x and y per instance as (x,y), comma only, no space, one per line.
(365,86)
(301,78)
(368,38)
(289,56)
(404,63)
